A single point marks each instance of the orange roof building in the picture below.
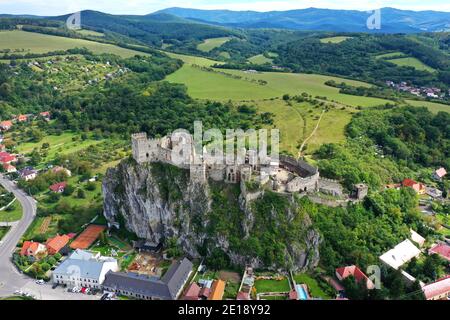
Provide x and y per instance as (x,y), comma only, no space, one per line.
(32,249)
(217,290)
(87,237)
(418,187)
(345,272)
(6,125)
(54,245)
(22,118)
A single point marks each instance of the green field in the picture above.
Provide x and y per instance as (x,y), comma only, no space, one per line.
(210,44)
(272,286)
(432,106)
(297,122)
(260,59)
(334,39)
(90,33)
(313,286)
(63,144)
(13,213)
(214,86)
(42,43)
(412,62)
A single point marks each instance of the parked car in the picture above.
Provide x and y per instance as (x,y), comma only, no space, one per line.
(40,282)
(76,290)
(54,286)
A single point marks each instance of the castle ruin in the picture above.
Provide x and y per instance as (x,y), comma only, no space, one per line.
(284,175)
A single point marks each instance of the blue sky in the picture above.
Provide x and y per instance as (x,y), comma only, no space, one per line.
(56,7)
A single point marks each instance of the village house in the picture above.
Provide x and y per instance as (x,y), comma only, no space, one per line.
(9,168)
(91,270)
(22,118)
(400,254)
(345,272)
(6,125)
(417,238)
(442,249)
(58,187)
(32,249)
(439,290)
(45,115)
(6,157)
(28,174)
(217,290)
(439,174)
(144,287)
(193,292)
(58,169)
(417,187)
(54,245)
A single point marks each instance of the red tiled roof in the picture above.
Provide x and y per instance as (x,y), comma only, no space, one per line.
(54,245)
(345,272)
(22,117)
(193,292)
(243,296)
(437,288)
(29,246)
(45,114)
(293,295)
(58,186)
(6,123)
(441,172)
(205,292)
(441,249)
(409,183)
(5,157)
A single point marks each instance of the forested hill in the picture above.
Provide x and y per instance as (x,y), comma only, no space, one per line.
(150,29)
(393,20)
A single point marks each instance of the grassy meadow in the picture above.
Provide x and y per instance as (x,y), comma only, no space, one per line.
(412,62)
(42,43)
(259,59)
(209,44)
(334,39)
(432,106)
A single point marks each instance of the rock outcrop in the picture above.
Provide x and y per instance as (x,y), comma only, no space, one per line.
(159,202)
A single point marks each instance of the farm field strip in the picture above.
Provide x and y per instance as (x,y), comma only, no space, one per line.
(212,43)
(43,43)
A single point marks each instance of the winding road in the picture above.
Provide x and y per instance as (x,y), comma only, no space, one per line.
(10,278)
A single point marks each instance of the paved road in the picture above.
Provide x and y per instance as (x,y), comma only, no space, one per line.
(11,279)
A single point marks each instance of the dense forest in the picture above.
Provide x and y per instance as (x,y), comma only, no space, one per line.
(355,58)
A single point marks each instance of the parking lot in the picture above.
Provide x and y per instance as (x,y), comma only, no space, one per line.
(45,292)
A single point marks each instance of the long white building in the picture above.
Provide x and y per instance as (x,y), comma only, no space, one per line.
(84,269)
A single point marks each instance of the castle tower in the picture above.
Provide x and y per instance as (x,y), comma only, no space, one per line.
(139,143)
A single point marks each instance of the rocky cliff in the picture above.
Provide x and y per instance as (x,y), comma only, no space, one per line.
(224,223)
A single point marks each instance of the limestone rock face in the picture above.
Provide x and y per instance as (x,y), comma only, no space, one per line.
(158,201)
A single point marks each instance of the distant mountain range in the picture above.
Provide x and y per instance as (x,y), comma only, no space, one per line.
(392,20)
(220,22)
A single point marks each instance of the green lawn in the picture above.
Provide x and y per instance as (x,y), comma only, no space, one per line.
(412,62)
(334,39)
(3,231)
(90,33)
(210,44)
(61,144)
(313,286)
(208,85)
(260,59)
(42,43)
(274,298)
(13,213)
(432,106)
(272,286)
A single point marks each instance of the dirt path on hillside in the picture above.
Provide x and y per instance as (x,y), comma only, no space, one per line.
(300,151)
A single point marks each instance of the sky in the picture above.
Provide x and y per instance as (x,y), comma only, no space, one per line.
(59,7)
